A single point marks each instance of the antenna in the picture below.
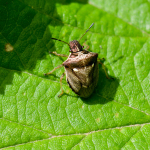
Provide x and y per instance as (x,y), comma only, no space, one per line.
(86,31)
(61,41)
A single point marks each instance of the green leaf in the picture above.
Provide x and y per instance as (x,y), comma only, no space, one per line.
(116,116)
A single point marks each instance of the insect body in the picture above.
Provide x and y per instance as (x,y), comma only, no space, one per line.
(81,69)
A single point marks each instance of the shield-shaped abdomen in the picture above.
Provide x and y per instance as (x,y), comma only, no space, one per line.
(83,76)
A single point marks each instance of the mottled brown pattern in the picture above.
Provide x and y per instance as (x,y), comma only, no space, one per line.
(81,70)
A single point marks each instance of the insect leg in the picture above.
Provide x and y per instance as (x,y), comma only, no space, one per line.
(62,91)
(87,46)
(103,66)
(60,55)
(53,69)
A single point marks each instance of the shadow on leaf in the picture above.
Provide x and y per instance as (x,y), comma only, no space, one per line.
(28,33)
(105,90)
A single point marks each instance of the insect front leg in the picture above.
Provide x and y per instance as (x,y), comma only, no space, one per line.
(53,70)
(60,55)
(87,46)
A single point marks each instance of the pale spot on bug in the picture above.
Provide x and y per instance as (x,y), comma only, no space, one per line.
(9,47)
(75,69)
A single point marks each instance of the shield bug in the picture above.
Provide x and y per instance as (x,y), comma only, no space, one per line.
(81,68)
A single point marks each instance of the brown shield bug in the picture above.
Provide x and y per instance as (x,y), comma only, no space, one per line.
(81,68)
